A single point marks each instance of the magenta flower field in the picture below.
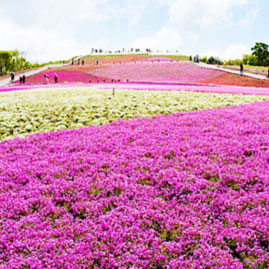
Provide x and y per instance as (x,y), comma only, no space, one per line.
(183,72)
(149,86)
(188,190)
(64,76)
(189,88)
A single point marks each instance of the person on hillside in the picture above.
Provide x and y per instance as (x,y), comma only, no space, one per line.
(23,79)
(12,76)
(47,78)
(20,80)
(241,69)
(55,78)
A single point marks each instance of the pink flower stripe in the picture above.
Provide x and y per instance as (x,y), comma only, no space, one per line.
(158,59)
(180,191)
(150,86)
(193,88)
(63,77)
(182,72)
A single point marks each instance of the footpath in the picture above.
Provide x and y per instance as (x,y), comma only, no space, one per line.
(6,81)
(204,65)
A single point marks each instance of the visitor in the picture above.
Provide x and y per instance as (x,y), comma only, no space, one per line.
(20,80)
(47,78)
(23,79)
(55,78)
(12,76)
(82,62)
(241,69)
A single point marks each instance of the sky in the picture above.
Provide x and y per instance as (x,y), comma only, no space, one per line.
(60,29)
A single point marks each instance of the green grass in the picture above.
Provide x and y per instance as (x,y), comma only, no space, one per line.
(111,56)
(257,67)
(146,55)
(174,57)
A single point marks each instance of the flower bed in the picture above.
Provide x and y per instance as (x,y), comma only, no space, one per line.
(42,110)
(64,76)
(232,79)
(183,72)
(179,191)
(157,59)
(187,87)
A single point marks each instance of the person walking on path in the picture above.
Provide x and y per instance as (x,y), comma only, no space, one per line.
(20,80)
(47,78)
(241,69)
(55,78)
(23,79)
(12,76)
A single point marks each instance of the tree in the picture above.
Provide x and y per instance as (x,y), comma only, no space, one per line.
(260,50)
(5,61)
(13,61)
(249,59)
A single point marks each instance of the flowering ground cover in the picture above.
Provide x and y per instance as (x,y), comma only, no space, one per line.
(150,70)
(187,190)
(42,110)
(158,59)
(187,87)
(233,79)
(183,72)
(64,76)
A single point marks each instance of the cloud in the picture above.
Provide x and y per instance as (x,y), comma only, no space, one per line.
(50,36)
(39,44)
(165,39)
(67,13)
(64,28)
(249,17)
(202,14)
(233,51)
(49,30)
(136,10)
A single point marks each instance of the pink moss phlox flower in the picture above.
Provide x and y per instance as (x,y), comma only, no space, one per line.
(188,190)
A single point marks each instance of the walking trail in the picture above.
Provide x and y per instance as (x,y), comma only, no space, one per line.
(204,65)
(6,81)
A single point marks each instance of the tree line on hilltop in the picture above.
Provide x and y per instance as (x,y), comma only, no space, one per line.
(258,57)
